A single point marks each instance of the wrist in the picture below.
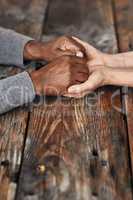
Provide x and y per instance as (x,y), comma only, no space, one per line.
(36,82)
(32,50)
(114,60)
(114,76)
(110,76)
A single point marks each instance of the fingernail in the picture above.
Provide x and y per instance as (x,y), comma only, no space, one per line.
(80,54)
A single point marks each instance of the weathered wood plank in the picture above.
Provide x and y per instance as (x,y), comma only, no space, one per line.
(124,17)
(25,17)
(12,130)
(78,149)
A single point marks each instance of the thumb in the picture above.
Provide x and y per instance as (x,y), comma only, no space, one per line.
(77,96)
(95,80)
(73,52)
(70,47)
(90,50)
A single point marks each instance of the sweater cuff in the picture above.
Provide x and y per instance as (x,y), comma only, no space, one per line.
(16,91)
(12,45)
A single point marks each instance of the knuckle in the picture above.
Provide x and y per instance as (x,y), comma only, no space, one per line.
(65,37)
(66,58)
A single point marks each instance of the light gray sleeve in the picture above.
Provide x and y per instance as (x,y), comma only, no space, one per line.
(16,91)
(12,47)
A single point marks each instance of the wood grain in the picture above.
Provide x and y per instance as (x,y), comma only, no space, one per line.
(12,131)
(78,149)
(25,17)
(124,25)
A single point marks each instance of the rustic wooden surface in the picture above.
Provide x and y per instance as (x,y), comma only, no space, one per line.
(79,149)
(73,149)
(124,18)
(25,17)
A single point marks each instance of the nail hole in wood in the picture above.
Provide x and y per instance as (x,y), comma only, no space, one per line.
(5,163)
(95,194)
(112,171)
(41,169)
(104,163)
(95,153)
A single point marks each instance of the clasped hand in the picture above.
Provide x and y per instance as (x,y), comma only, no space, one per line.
(75,67)
(67,65)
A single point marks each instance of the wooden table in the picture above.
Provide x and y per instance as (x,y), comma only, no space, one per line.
(66,149)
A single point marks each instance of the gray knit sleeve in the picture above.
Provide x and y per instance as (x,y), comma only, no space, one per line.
(16,91)
(12,47)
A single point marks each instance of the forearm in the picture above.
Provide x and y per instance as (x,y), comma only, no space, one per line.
(12,46)
(120,77)
(16,91)
(122,60)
